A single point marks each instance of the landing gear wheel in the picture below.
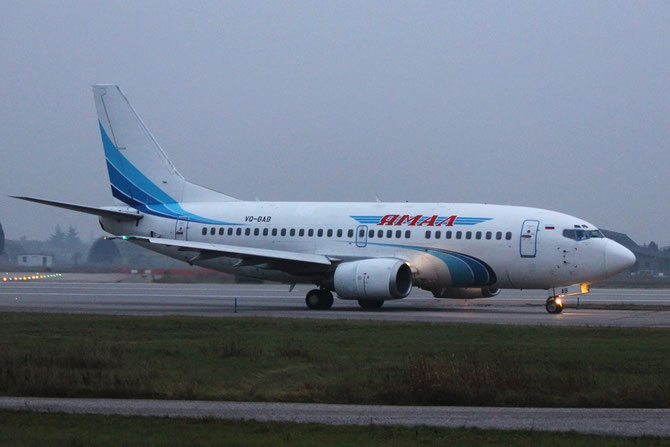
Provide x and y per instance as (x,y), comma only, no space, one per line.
(370,304)
(319,299)
(554,305)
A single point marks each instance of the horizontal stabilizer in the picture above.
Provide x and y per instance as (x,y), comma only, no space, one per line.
(102,212)
(215,250)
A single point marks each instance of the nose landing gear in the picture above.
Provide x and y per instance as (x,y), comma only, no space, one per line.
(554,305)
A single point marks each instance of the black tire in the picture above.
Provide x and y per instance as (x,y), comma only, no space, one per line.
(559,308)
(319,299)
(553,307)
(370,304)
(312,299)
(326,299)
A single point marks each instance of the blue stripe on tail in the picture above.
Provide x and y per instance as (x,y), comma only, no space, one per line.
(133,188)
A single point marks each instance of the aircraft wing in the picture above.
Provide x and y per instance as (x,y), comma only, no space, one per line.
(247,255)
(103,212)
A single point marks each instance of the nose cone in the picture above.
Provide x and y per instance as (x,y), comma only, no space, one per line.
(617,258)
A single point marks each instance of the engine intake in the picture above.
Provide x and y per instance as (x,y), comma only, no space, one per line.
(373,279)
(465,292)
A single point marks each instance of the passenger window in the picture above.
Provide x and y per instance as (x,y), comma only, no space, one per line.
(371,233)
(319,232)
(459,234)
(329,233)
(508,235)
(292,232)
(447,235)
(230,231)
(350,233)
(468,234)
(438,234)
(407,234)
(310,232)
(380,233)
(265,231)
(283,231)
(239,232)
(221,231)
(274,231)
(212,231)
(478,235)
(499,235)
(257,231)
(339,233)
(428,234)
(204,231)
(389,233)
(398,234)
(247,231)
(488,235)
(301,233)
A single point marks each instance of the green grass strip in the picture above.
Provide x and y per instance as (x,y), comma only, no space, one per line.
(34,429)
(260,359)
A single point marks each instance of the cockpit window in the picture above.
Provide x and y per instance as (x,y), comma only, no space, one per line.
(582,235)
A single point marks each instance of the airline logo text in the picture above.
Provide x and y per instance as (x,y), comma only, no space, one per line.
(419,220)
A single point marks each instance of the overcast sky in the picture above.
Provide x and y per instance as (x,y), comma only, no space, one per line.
(559,105)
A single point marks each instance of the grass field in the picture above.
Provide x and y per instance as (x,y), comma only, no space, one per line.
(31,429)
(332,361)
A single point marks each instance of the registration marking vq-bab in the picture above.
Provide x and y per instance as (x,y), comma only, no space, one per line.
(369,252)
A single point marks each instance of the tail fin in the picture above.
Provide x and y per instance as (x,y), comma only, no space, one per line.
(140,173)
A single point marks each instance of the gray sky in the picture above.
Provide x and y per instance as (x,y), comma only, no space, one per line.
(559,105)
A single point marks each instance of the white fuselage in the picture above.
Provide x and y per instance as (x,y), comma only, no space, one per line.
(369,252)
(518,247)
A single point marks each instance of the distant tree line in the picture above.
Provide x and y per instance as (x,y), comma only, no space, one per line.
(2,240)
(70,240)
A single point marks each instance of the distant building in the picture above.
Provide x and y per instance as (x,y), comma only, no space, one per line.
(34,260)
(650,260)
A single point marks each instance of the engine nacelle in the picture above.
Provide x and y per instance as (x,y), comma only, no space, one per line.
(465,292)
(373,279)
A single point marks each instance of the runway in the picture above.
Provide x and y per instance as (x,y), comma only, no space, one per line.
(601,421)
(72,294)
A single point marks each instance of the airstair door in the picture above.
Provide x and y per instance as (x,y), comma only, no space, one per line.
(528,238)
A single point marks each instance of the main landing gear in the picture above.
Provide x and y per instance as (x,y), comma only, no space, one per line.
(319,299)
(554,305)
(370,304)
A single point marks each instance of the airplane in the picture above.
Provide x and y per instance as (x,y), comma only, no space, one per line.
(369,252)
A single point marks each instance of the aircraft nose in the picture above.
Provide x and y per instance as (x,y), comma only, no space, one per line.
(617,258)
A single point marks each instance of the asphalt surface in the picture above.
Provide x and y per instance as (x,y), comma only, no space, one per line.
(618,422)
(73,294)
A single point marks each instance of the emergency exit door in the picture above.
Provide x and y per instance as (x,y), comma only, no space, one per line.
(181,229)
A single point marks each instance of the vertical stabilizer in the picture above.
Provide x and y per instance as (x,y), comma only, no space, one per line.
(139,171)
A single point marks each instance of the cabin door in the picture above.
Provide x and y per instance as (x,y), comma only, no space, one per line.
(528,238)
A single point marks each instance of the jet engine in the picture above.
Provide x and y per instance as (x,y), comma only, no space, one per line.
(465,292)
(373,279)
